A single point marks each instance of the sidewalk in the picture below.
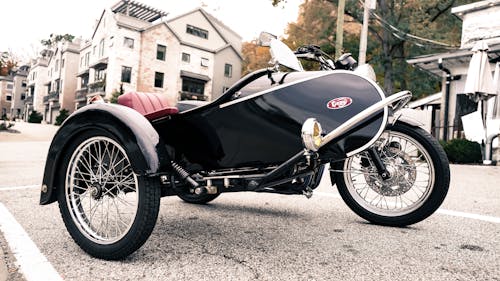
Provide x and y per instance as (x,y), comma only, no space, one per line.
(23,131)
(20,132)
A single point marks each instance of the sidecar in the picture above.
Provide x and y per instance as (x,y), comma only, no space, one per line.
(108,165)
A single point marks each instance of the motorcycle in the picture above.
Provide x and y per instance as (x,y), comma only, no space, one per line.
(273,131)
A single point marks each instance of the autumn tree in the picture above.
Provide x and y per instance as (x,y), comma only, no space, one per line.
(396,31)
(254,57)
(7,63)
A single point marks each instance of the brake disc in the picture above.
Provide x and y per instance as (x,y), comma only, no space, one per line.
(401,168)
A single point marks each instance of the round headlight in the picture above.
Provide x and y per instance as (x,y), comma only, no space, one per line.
(311,134)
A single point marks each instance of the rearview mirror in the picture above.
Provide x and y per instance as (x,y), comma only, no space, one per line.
(265,39)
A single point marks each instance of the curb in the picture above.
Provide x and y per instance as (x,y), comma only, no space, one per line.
(3,269)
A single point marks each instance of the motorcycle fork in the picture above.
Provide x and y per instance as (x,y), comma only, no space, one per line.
(379,164)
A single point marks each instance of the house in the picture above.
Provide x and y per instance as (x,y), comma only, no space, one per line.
(6,89)
(60,85)
(481,22)
(37,77)
(19,77)
(134,48)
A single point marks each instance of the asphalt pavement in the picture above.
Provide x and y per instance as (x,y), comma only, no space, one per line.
(249,236)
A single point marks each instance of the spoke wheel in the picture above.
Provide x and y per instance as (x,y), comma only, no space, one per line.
(417,184)
(108,210)
(102,192)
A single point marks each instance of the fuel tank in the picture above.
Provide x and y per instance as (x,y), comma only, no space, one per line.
(260,124)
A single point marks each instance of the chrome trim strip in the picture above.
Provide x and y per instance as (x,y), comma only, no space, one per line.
(362,116)
(272,89)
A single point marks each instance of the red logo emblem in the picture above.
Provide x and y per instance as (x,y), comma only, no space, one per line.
(339,103)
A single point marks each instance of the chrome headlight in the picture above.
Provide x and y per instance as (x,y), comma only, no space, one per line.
(311,134)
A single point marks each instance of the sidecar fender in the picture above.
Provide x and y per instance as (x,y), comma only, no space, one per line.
(405,118)
(145,148)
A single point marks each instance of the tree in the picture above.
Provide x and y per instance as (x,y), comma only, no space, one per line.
(393,32)
(56,38)
(7,63)
(35,117)
(116,94)
(254,57)
(63,114)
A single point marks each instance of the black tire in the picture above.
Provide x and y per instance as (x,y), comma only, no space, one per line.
(197,199)
(432,196)
(145,192)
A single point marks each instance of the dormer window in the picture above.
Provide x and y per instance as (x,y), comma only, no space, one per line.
(196,31)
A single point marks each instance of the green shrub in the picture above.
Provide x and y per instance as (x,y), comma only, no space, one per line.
(462,151)
(63,114)
(35,117)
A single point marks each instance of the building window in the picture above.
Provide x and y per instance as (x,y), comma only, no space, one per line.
(87,59)
(81,61)
(159,79)
(196,31)
(204,62)
(160,52)
(8,97)
(10,86)
(126,74)
(23,96)
(101,48)
(128,42)
(85,82)
(56,68)
(100,75)
(186,57)
(193,86)
(93,50)
(23,84)
(62,63)
(228,70)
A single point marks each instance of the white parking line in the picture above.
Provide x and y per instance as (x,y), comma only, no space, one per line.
(439,211)
(32,263)
(8,188)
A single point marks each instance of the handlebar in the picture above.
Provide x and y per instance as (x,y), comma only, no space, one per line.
(314,53)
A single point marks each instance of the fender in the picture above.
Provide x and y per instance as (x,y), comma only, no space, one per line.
(146,150)
(401,117)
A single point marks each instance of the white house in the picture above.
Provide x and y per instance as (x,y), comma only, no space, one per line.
(134,48)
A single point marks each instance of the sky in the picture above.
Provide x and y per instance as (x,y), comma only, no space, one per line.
(26,22)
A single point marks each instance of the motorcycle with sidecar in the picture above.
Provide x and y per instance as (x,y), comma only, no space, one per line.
(275,130)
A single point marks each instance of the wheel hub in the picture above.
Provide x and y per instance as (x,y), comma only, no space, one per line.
(96,192)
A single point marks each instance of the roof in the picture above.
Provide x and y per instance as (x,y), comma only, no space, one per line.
(460,11)
(432,99)
(430,63)
(138,10)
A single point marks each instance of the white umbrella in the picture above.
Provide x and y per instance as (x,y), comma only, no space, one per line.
(479,83)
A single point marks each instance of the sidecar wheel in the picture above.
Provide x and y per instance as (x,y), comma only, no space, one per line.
(108,210)
(419,181)
(197,199)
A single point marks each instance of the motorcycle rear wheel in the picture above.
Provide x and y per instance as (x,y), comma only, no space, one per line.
(418,183)
(108,210)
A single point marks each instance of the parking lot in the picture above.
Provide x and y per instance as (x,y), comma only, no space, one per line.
(248,236)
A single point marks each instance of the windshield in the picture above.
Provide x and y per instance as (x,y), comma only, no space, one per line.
(284,56)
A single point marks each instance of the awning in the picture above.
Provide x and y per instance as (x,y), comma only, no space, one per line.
(101,64)
(195,76)
(83,73)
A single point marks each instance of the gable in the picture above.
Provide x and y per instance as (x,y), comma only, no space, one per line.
(197,20)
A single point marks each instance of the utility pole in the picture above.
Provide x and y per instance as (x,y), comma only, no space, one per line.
(369,5)
(339,38)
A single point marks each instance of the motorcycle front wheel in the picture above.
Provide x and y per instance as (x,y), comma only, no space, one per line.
(108,210)
(419,177)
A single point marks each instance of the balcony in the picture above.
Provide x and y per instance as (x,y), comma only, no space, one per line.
(52,96)
(28,100)
(81,95)
(192,96)
(97,87)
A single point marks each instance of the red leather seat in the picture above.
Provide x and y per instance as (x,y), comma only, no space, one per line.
(151,105)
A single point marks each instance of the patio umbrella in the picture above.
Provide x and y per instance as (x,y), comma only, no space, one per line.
(480,87)
(479,83)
